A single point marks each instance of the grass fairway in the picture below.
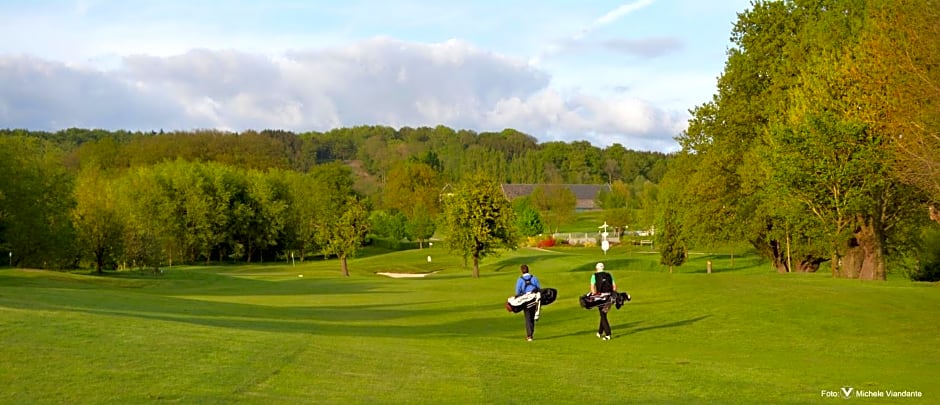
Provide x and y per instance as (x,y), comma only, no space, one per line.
(261,334)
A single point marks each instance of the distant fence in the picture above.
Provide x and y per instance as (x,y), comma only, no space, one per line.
(575,238)
(580,238)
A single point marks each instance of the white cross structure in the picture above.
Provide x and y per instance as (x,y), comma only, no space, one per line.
(604,243)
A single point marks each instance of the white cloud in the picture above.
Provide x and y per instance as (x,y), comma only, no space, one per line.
(378,81)
(39,94)
(631,122)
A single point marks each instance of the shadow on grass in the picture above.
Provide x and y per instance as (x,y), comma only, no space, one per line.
(684,322)
(610,264)
(424,319)
(223,284)
(338,321)
(589,332)
(512,264)
(721,263)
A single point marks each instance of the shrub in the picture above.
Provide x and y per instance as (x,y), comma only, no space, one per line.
(929,260)
(545,243)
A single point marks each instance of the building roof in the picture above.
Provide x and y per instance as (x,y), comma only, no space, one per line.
(584,193)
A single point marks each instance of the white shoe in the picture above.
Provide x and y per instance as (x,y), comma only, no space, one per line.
(599,334)
(607,337)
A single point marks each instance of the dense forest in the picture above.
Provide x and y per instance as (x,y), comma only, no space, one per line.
(80,197)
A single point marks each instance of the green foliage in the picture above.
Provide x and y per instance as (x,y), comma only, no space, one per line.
(98,223)
(619,219)
(35,201)
(528,220)
(345,231)
(927,267)
(388,244)
(793,149)
(619,196)
(421,226)
(478,220)
(672,246)
(411,187)
(388,225)
(555,204)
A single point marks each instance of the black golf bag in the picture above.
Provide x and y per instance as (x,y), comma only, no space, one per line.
(590,301)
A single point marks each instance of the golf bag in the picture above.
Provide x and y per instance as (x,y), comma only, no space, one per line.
(539,297)
(590,301)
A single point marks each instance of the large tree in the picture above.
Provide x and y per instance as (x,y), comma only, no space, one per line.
(528,221)
(794,144)
(146,215)
(96,217)
(345,232)
(899,53)
(478,219)
(35,200)
(672,250)
(413,189)
(304,212)
(556,204)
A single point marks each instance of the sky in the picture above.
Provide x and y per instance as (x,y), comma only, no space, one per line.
(605,72)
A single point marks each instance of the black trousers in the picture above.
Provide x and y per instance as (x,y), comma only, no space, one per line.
(529,315)
(604,327)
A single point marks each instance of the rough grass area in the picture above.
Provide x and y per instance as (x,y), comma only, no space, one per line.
(262,334)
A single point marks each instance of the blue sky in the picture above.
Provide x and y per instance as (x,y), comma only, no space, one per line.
(602,71)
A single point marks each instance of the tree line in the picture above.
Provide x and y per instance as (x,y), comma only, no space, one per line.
(821,143)
(510,156)
(109,199)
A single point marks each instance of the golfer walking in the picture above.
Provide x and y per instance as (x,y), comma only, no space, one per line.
(525,284)
(603,282)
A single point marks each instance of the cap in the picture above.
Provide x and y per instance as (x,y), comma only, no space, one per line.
(599,266)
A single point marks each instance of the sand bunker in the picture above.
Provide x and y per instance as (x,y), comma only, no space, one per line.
(403,275)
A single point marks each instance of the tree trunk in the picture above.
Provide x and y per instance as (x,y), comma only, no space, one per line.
(810,264)
(476,265)
(851,260)
(779,257)
(99,260)
(834,265)
(872,252)
(865,253)
(771,250)
(342,261)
